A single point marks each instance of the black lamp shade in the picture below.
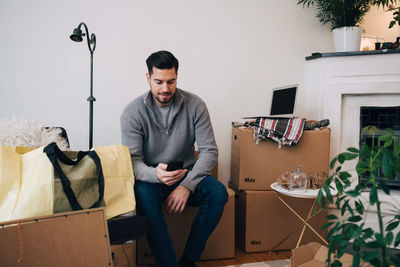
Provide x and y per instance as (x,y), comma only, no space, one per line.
(76,36)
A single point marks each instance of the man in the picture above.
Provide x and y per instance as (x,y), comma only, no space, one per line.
(161,127)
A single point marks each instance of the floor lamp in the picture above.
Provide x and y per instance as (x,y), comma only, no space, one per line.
(77,37)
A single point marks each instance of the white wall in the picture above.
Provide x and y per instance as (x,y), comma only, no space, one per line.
(376,23)
(231,52)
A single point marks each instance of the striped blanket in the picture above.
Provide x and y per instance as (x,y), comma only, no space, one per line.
(284,131)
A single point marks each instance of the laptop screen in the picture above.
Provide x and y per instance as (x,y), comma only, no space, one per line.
(283,100)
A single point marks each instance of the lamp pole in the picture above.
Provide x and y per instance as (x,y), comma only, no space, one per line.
(77,37)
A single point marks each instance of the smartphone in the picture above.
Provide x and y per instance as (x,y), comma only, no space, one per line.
(175,165)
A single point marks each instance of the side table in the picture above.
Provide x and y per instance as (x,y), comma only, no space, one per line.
(311,194)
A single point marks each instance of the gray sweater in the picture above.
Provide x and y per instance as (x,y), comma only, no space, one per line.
(150,143)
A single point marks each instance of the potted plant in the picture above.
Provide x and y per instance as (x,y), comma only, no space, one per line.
(344,17)
(381,162)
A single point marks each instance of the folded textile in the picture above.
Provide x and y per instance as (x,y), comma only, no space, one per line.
(285,131)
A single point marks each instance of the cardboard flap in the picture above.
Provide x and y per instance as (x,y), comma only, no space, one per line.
(315,246)
(322,254)
(312,263)
(301,255)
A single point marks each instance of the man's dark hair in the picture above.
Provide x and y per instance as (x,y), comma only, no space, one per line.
(162,60)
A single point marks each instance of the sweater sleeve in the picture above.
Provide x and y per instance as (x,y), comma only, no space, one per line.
(204,136)
(132,136)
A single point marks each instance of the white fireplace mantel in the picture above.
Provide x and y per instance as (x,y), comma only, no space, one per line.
(337,86)
(332,83)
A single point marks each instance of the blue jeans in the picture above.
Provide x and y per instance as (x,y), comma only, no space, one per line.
(210,195)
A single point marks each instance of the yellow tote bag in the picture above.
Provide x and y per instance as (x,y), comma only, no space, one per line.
(119,196)
(26,183)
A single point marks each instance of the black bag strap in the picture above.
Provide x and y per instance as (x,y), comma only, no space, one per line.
(53,153)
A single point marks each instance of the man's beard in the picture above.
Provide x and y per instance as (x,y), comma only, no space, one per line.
(166,101)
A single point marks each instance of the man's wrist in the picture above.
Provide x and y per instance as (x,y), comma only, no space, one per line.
(188,189)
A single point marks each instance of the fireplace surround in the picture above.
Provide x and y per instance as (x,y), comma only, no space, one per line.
(338,85)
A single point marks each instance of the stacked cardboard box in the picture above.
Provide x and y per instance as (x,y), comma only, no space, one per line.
(263,222)
(220,245)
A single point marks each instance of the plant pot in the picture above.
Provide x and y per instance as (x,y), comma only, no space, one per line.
(347,39)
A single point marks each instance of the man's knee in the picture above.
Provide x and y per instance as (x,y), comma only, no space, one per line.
(216,191)
(221,195)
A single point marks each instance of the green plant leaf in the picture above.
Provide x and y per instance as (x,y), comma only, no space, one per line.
(373,196)
(392,226)
(355,218)
(321,199)
(343,209)
(338,168)
(336,263)
(341,158)
(387,164)
(346,156)
(365,151)
(380,239)
(364,130)
(328,193)
(368,233)
(344,176)
(359,207)
(328,181)
(331,217)
(389,238)
(373,130)
(361,167)
(332,232)
(327,225)
(353,150)
(347,206)
(339,186)
(397,240)
(396,148)
(383,186)
(387,139)
(353,193)
(332,164)
(391,24)
(350,156)
(390,131)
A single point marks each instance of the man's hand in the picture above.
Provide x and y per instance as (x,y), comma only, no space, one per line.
(176,201)
(169,178)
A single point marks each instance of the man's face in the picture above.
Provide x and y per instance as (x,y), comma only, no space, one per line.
(162,85)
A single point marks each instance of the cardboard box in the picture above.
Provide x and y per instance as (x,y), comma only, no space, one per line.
(220,245)
(78,238)
(256,167)
(124,255)
(315,255)
(263,221)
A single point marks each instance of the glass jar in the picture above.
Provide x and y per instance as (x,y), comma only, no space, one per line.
(298,179)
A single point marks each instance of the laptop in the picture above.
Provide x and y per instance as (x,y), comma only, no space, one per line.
(283,103)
